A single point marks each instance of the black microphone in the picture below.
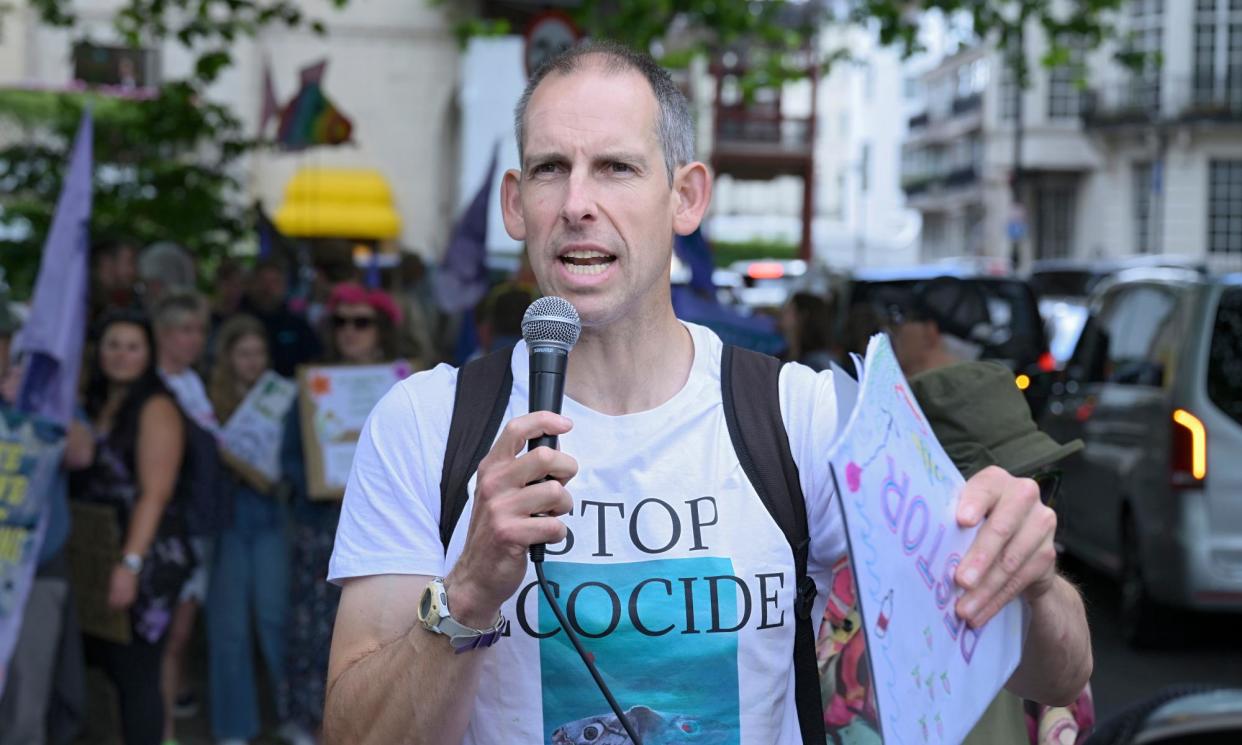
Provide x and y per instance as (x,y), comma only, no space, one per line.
(550,327)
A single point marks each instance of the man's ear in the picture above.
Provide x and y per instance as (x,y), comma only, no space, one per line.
(511,206)
(692,192)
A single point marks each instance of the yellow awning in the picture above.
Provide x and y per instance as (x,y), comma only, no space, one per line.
(338,203)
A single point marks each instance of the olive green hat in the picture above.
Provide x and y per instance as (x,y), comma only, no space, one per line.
(981,419)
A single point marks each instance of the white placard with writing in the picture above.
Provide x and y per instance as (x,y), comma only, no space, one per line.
(254,432)
(934,675)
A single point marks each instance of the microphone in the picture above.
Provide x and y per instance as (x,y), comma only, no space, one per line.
(550,327)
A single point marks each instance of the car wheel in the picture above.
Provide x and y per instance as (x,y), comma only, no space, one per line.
(1142,619)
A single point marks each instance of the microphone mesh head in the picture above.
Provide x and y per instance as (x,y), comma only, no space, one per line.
(551,321)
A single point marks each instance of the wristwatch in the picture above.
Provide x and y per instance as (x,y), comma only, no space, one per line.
(434,614)
(132,562)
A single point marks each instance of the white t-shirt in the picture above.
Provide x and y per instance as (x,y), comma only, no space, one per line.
(677,578)
(191,395)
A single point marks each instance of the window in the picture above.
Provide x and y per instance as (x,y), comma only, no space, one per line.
(1142,187)
(1224,369)
(117,66)
(1054,221)
(1008,91)
(1218,54)
(1136,320)
(1064,94)
(1146,29)
(1225,207)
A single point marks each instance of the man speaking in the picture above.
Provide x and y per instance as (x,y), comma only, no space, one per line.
(660,550)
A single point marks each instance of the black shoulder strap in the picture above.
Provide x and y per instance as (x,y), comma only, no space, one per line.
(483,388)
(750,387)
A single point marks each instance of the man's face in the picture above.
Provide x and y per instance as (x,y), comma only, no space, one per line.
(181,344)
(269,288)
(913,341)
(592,200)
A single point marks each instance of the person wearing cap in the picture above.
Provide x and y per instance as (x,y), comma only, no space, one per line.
(981,419)
(362,330)
(937,323)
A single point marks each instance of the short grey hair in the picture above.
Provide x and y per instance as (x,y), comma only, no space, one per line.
(167,262)
(173,308)
(674,126)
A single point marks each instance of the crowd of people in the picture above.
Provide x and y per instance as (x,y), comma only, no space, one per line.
(164,368)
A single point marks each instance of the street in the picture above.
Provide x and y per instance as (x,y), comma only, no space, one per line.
(1202,649)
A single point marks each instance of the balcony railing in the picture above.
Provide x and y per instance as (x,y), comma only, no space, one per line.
(1187,99)
(761,129)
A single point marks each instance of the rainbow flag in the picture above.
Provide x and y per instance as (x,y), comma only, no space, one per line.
(310,118)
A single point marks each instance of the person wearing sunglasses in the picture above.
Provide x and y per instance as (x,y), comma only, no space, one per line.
(361,329)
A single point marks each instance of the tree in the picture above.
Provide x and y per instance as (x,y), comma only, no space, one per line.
(165,164)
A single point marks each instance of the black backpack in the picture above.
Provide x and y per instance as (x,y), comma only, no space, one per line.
(750,391)
(203,488)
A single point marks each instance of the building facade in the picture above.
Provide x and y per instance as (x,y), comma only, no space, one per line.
(1131,163)
(393,69)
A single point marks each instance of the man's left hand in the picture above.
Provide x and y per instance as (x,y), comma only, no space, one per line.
(1013,553)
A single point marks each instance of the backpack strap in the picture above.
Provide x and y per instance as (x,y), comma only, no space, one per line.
(750,388)
(479,403)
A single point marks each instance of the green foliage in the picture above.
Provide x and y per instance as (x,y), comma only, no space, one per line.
(164,166)
(778,36)
(725,253)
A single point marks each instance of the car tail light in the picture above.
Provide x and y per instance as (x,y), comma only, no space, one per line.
(1047,362)
(1189,446)
(765,270)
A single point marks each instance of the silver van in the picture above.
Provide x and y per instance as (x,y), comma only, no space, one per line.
(1154,389)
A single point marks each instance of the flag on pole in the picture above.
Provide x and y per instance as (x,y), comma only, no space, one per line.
(310,118)
(461,280)
(270,106)
(54,335)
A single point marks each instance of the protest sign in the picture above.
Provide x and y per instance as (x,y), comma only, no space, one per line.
(31,449)
(933,676)
(334,403)
(250,440)
(94,549)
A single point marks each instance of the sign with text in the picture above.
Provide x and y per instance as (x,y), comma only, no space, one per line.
(334,403)
(934,676)
(250,440)
(30,455)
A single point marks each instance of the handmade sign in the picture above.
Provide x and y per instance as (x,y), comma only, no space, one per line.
(250,440)
(334,403)
(933,676)
(94,548)
(30,455)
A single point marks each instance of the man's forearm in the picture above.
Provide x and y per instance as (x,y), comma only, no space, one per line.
(412,690)
(1056,660)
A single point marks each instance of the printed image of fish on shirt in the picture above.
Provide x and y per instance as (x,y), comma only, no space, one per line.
(675,687)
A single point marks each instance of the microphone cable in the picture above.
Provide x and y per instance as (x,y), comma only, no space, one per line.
(536,556)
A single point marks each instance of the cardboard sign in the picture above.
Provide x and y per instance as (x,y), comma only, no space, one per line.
(933,675)
(30,454)
(250,441)
(94,548)
(334,403)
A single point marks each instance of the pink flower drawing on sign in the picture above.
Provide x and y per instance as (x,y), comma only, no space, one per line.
(853,476)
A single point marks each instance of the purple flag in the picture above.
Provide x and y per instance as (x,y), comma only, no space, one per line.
(53,336)
(461,280)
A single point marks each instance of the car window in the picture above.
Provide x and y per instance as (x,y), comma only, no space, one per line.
(1133,325)
(1224,371)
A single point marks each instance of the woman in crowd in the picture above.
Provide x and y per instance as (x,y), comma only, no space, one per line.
(249,581)
(806,322)
(139,449)
(362,330)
